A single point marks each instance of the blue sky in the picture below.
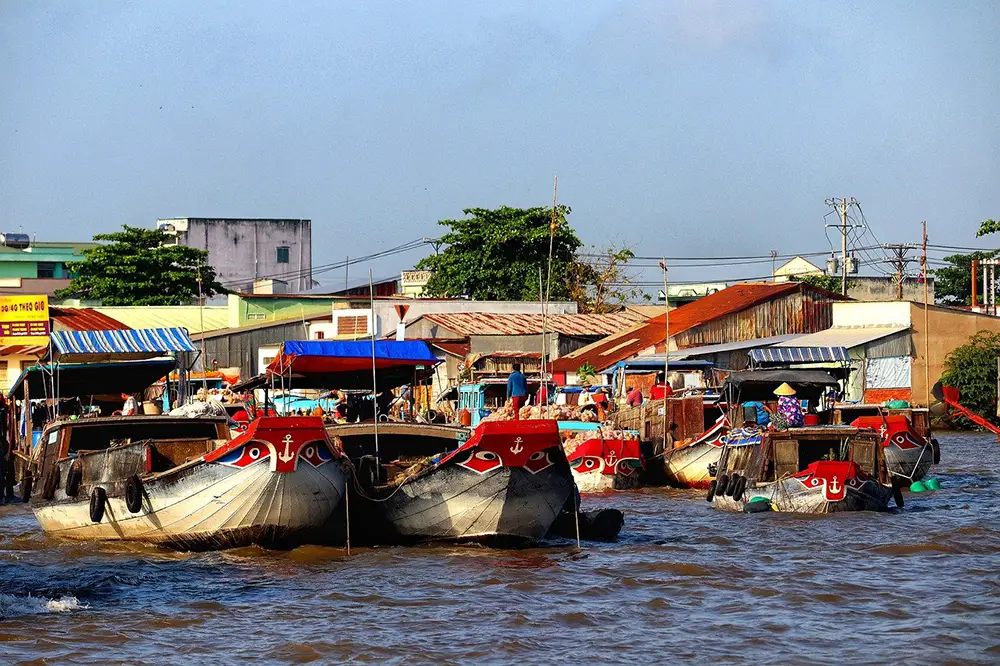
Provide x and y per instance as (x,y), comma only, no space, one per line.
(678,129)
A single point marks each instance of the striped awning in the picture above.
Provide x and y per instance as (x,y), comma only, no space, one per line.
(780,355)
(124,345)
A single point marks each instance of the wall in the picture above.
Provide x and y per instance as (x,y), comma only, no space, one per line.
(799,312)
(48,286)
(242,250)
(877,288)
(239,348)
(948,329)
(850,314)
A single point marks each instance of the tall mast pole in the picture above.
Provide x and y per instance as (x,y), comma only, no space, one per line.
(371,301)
(927,333)
(843,247)
(666,347)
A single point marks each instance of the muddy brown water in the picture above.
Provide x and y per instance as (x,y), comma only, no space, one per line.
(684,583)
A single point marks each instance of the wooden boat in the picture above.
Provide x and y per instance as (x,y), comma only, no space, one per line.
(183,483)
(600,464)
(802,470)
(693,465)
(910,450)
(503,486)
(502,483)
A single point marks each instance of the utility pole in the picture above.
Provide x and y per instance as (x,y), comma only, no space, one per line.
(842,206)
(899,262)
(927,332)
(774,265)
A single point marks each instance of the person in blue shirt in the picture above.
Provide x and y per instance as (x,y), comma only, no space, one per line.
(517,390)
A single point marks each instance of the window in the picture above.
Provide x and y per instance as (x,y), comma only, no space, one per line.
(46,269)
(3,373)
(320,335)
(352,325)
(282,254)
(256,316)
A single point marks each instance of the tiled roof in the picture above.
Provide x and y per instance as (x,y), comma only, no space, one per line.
(488,323)
(83,319)
(624,345)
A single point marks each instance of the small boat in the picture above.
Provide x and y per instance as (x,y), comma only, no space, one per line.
(908,455)
(802,470)
(180,482)
(601,464)
(693,465)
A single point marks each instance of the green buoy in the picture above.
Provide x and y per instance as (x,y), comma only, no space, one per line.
(918,487)
(933,484)
(759,498)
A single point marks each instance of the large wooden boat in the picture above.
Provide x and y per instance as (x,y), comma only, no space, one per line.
(802,470)
(183,483)
(602,464)
(505,485)
(910,449)
(693,465)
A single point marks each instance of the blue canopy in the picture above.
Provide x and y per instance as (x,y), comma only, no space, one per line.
(124,345)
(783,355)
(645,365)
(347,364)
(744,437)
(84,379)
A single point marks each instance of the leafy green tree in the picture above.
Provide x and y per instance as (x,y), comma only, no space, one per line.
(972,369)
(496,254)
(987,227)
(828,282)
(140,267)
(953,284)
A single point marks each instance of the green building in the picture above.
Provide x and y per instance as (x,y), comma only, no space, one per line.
(39,268)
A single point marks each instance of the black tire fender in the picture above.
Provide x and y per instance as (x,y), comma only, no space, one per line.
(74,477)
(936,448)
(711,491)
(897,493)
(98,498)
(721,484)
(733,482)
(741,485)
(133,493)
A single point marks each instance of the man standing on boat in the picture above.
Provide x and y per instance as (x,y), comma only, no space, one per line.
(517,390)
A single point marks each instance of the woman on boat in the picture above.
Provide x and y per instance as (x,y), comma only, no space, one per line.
(789,407)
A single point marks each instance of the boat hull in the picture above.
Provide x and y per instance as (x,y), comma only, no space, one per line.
(688,467)
(208,506)
(792,496)
(910,463)
(597,482)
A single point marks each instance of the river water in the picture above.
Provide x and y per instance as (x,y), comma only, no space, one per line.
(684,583)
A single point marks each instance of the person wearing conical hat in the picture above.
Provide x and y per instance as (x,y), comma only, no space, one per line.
(789,405)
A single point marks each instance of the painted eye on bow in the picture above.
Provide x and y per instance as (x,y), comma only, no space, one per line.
(245,456)
(537,455)
(486,455)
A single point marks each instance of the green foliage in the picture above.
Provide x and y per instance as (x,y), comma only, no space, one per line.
(972,369)
(987,227)
(953,284)
(496,254)
(586,373)
(600,283)
(137,267)
(828,282)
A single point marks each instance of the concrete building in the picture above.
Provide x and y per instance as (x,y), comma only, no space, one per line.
(883,288)
(244,250)
(796,267)
(39,268)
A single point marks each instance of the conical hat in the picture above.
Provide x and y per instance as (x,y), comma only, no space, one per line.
(784,389)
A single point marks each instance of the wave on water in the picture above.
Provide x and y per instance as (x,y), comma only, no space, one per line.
(15,606)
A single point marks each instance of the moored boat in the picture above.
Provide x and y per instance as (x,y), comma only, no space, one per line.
(602,464)
(692,465)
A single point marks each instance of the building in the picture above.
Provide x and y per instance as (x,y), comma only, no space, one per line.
(244,250)
(893,353)
(742,312)
(679,294)
(413,283)
(884,288)
(796,267)
(40,268)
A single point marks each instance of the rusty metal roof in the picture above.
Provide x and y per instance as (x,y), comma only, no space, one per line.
(626,344)
(83,319)
(459,349)
(488,323)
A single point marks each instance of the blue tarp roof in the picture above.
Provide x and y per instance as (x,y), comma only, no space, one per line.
(75,380)
(779,355)
(402,351)
(124,345)
(639,365)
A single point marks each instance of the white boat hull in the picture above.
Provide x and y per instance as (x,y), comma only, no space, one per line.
(688,467)
(792,496)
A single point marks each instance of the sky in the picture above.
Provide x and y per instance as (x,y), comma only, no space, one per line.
(679,129)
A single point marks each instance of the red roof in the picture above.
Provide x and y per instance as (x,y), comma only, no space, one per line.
(491,323)
(83,319)
(625,345)
(459,349)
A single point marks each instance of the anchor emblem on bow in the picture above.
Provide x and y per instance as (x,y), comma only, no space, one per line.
(287,454)
(611,457)
(517,448)
(834,486)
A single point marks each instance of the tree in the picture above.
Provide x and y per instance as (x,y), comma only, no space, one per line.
(138,267)
(829,282)
(496,254)
(987,227)
(600,283)
(953,284)
(972,369)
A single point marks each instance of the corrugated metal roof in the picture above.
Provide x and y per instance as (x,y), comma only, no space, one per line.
(459,349)
(708,350)
(83,319)
(488,323)
(184,316)
(844,336)
(615,348)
